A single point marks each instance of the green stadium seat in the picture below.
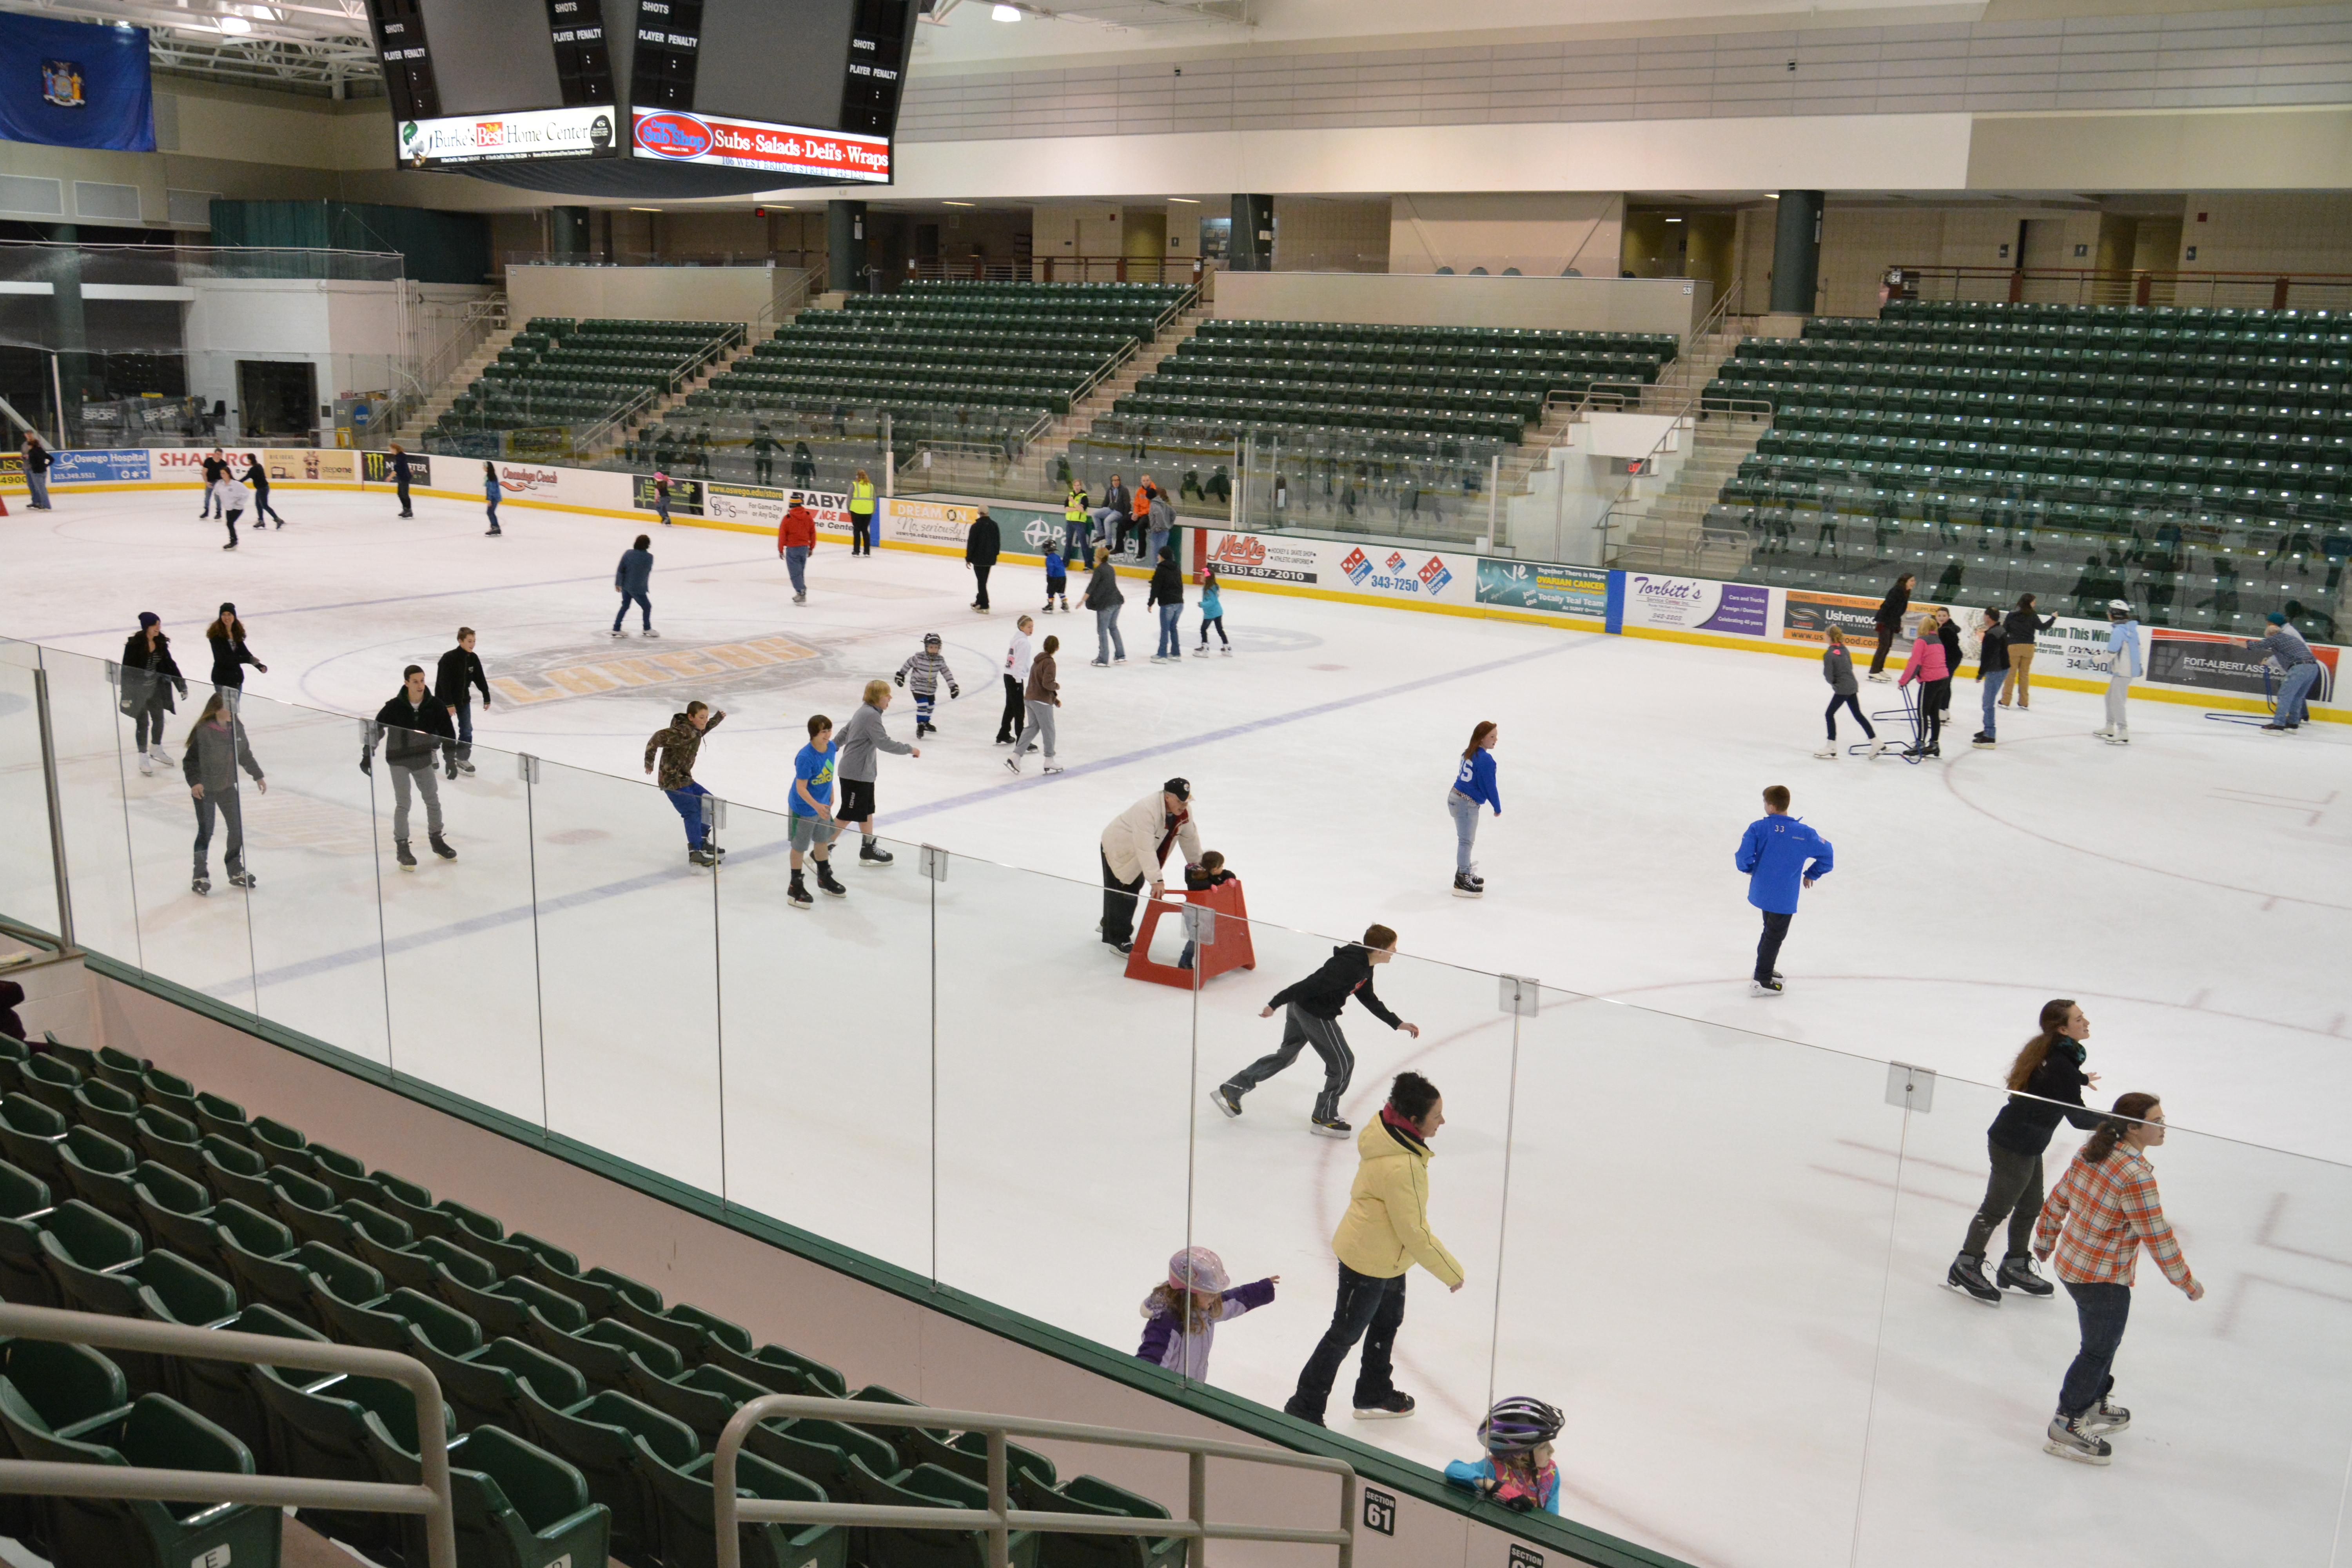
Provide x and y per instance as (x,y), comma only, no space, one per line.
(154,1432)
(927,1485)
(683,1498)
(612,1441)
(1091,1494)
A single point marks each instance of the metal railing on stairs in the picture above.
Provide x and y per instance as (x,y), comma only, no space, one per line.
(432,1499)
(1000,1519)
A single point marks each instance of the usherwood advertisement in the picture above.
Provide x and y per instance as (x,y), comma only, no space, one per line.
(1806,616)
(679,138)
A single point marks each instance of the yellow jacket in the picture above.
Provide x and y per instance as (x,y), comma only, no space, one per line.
(1386,1229)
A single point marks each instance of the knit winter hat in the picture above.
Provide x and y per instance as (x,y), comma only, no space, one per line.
(2273,617)
(150,619)
(1197,1269)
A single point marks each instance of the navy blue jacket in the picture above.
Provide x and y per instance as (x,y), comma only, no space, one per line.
(635,572)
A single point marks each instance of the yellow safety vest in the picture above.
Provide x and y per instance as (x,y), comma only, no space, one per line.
(1076,510)
(861,495)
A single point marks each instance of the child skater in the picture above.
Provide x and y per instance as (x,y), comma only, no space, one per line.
(1210,873)
(1181,1316)
(1518,1470)
(1213,614)
(927,669)
(1931,667)
(1058,579)
(1837,668)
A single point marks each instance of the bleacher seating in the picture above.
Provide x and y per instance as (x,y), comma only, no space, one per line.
(2192,461)
(560,371)
(948,361)
(584,1411)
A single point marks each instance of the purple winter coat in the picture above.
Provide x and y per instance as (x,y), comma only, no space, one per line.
(1165,1343)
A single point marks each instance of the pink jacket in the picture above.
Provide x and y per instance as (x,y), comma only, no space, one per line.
(1926,659)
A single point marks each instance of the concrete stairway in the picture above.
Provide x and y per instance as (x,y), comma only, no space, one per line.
(442,396)
(1667,531)
(1682,381)
(663,406)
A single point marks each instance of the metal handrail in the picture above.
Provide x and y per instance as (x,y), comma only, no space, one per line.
(432,1499)
(1000,1519)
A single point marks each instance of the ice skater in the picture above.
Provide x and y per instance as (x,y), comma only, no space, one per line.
(633,580)
(1474,785)
(1182,1313)
(1213,614)
(1383,1234)
(2046,1087)
(415,727)
(36,471)
(2104,1209)
(2286,647)
(1928,668)
(218,747)
(1135,846)
(150,676)
(2123,664)
(861,737)
(922,674)
(229,496)
(1167,593)
(1947,632)
(1992,675)
(257,477)
(1058,579)
(1837,668)
(1018,655)
(1042,693)
(456,679)
(677,743)
(2024,629)
(813,826)
(1104,598)
(1518,1471)
(230,655)
(981,543)
(795,537)
(491,493)
(216,465)
(1780,856)
(1311,1017)
(1889,622)
(400,464)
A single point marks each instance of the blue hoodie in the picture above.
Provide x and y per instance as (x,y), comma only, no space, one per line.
(2122,644)
(1779,853)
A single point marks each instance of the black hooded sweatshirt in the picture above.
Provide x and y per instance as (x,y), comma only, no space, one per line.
(2024,1126)
(1347,973)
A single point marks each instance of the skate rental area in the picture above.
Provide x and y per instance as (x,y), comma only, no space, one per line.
(1687,1213)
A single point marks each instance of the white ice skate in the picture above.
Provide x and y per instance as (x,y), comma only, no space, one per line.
(1877,745)
(146,765)
(1882,677)
(1830,752)
(160,754)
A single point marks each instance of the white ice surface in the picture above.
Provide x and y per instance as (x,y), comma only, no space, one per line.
(1724,1248)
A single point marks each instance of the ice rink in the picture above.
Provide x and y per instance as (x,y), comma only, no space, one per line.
(1721,1250)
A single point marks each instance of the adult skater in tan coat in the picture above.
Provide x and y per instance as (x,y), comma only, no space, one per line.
(1135,846)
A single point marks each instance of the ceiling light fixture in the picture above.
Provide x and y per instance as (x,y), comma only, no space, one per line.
(1000,13)
(645,209)
(234,25)
(948,204)
(1188,200)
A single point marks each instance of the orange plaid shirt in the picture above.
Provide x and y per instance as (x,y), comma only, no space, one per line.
(2114,1208)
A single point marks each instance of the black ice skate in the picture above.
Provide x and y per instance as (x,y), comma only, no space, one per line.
(202,884)
(441,847)
(400,853)
(1981,742)
(797,895)
(243,880)
(1332,1127)
(872,854)
(702,857)
(1771,987)
(1967,1277)
(2105,1416)
(2018,1274)
(1395,1407)
(1467,887)
(2073,1439)
(828,882)
(1225,1099)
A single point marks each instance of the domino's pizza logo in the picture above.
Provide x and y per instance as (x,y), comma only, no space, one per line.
(1395,563)
(1357,566)
(1434,576)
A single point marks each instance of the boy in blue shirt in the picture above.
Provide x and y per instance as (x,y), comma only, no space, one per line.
(1058,579)
(812,827)
(1780,855)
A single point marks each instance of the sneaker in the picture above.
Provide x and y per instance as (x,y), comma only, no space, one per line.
(1052,768)
(243,880)
(441,846)
(797,895)
(871,854)
(1225,1099)
(202,884)
(1467,887)
(1336,1126)
(400,853)
(2107,1415)
(827,883)
(1395,1407)
(2071,1438)
(1966,1275)
(1981,742)
(1771,987)
(2019,1274)
(1828,751)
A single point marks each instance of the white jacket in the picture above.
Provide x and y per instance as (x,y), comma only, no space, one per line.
(1131,842)
(1018,657)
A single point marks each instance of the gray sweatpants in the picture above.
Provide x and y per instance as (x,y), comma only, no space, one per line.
(2118,703)
(402,775)
(1041,727)
(1300,1028)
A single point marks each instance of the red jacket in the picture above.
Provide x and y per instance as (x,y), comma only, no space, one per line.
(799,527)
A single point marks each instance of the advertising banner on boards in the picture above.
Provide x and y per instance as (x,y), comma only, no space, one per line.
(927,521)
(684,496)
(1807,615)
(765,505)
(310,465)
(1696,605)
(2213,662)
(1264,558)
(375,468)
(1560,590)
(119,467)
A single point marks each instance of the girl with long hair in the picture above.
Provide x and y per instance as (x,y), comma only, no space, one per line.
(230,655)
(2106,1208)
(1837,668)
(1889,622)
(1474,782)
(2045,1086)
(216,749)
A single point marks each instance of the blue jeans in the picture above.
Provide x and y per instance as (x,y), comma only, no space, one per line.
(1107,636)
(2102,1311)
(645,610)
(1154,543)
(1464,811)
(796,562)
(465,720)
(2292,696)
(1990,687)
(493,504)
(1171,636)
(688,802)
(39,485)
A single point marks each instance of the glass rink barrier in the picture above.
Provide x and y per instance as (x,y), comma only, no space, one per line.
(1722,1254)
